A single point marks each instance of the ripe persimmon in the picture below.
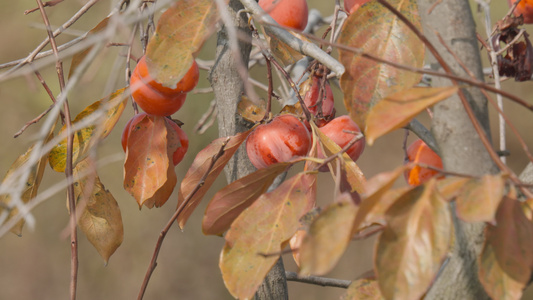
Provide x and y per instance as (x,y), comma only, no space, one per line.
(419,152)
(350,6)
(156,99)
(524,8)
(342,130)
(311,89)
(284,138)
(288,13)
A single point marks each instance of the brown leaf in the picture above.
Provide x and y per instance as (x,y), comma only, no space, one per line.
(480,197)
(264,227)
(328,237)
(181,31)
(450,187)
(228,203)
(149,174)
(100,221)
(372,207)
(414,243)
(375,30)
(397,110)
(31,185)
(250,111)
(200,166)
(111,109)
(363,289)
(355,176)
(498,284)
(512,240)
(78,57)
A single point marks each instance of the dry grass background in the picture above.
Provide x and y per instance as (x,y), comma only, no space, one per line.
(36,266)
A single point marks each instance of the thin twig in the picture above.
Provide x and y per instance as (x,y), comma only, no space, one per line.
(322,281)
(69,166)
(49,3)
(153,262)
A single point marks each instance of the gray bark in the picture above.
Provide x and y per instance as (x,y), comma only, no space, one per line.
(228,88)
(459,144)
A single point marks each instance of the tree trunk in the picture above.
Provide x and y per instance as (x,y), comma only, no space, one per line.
(228,88)
(459,144)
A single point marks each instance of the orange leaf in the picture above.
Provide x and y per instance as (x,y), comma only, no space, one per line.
(374,29)
(181,31)
(512,240)
(498,284)
(100,221)
(149,174)
(414,243)
(264,227)
(328,237)
(397,110)
(480,197)
(230,201)
(363,289)
(372,207)
(200,166)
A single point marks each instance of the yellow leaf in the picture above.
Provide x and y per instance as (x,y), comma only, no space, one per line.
(90,135)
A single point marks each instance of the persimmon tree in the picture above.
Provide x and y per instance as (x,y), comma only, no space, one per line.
(467,225)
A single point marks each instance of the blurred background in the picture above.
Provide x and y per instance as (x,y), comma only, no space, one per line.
(37,265)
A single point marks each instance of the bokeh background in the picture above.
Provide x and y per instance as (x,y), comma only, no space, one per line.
(36,265)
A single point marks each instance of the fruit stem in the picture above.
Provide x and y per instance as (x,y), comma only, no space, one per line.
(269,78)
(270,58)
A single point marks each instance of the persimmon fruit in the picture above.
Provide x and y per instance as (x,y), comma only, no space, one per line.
(419,152)
(288,13)
(350,6)
(178,155)
(342,130)
(312,88)
(281,140)
(156,99)
(524,8)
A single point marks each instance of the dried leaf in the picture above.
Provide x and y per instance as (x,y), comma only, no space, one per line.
(397,110)
(181,31)
(498,284)
(450,187)
(228,203)
(250,111)
(264,227)
(199,168)
(328,237)
(372,207)
(480,197)
(31,186)
(512,240)
(106,113)
(414,243)
(149,174)
(100,221)
(363,289)
(374,29)
(78,57)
